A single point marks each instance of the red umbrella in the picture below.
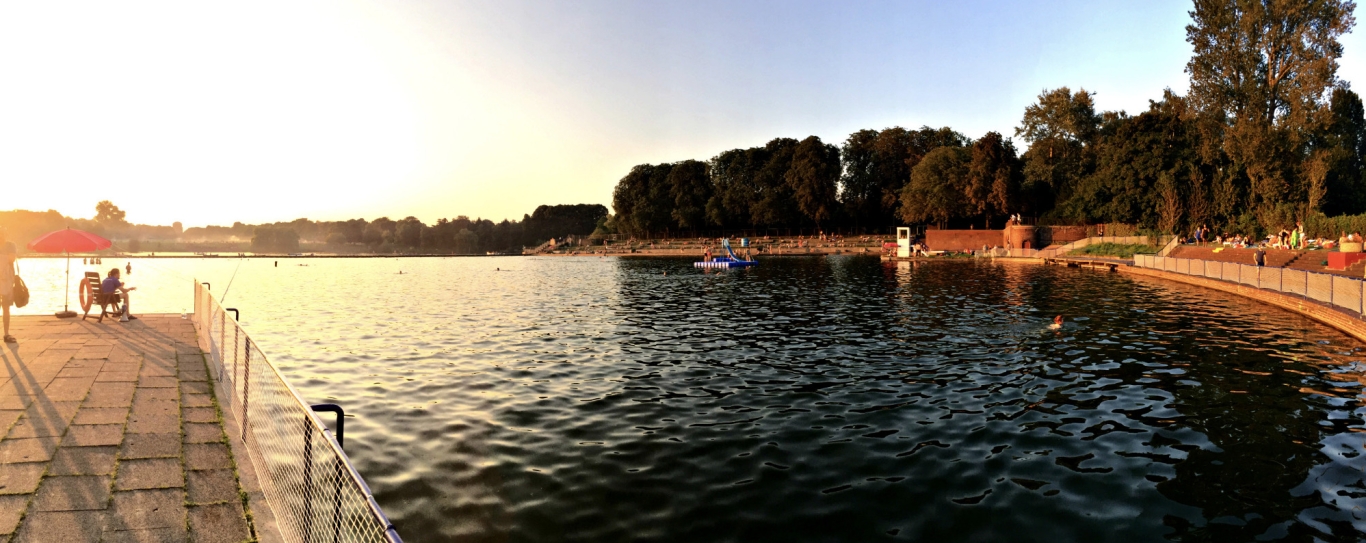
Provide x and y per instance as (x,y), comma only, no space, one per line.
(68,241)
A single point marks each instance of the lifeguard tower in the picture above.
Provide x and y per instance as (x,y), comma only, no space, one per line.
(903,242)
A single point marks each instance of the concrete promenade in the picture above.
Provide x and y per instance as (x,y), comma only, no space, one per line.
(112,433)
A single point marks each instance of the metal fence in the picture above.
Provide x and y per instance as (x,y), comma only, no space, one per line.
(310,484)
(1340,291)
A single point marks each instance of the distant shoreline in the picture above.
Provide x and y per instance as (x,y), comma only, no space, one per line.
(267,256)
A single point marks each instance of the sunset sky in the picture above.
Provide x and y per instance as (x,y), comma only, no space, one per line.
(212,113)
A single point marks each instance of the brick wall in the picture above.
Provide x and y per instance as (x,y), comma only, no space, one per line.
(962,240)
(1059,235)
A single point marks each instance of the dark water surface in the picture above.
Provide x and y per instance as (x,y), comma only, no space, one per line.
(820,399)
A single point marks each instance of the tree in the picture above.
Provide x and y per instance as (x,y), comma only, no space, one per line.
(774,205)
(1261,68)
(642,200)
(1340,147)
(275,239)
(734,192)
(993,178)
(814,176)
(379,231)
(1131,154)
(691,189)
(1266,61)
(1058,128)
(555,221)
(109,215)
(860,188)
(408,232)
(936,191)
(466,242)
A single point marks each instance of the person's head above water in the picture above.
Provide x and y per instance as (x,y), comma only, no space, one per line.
(1057,319)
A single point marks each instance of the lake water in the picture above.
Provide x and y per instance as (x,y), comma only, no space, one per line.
(806,399)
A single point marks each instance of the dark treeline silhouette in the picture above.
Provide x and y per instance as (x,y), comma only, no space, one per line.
(460,235)
(1267,135)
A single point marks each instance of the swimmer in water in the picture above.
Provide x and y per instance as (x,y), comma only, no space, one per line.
(1057,323)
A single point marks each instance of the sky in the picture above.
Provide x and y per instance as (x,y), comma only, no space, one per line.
(210,113)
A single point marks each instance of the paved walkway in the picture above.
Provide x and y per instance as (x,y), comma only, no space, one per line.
(111,433)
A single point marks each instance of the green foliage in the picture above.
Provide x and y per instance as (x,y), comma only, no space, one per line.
(938,184)
(993,178)
(1259,73)
(1318,225)
(690,189)
(813,176)
(1121,250)
(1059,128)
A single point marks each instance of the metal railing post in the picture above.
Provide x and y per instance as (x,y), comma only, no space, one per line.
(308,479)
(246,391)
(236,340)
(222,334)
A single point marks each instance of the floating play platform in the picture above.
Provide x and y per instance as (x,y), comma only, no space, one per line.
(725,262)
(731,261)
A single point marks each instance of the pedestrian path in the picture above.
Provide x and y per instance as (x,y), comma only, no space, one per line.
(112,433)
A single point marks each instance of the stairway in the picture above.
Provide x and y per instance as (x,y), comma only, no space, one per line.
(1357,269)
(1314,261)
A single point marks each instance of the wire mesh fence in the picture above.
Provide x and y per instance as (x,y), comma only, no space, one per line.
(1347,293)
(315,493)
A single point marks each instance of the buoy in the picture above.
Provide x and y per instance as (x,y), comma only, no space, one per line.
(87,295)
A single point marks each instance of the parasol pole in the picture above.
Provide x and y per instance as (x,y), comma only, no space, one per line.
(66,311)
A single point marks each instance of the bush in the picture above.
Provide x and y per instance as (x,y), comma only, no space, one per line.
(1121,250)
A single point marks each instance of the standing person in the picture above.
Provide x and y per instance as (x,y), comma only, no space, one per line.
(129,267)
(111,286)
(1259,256)
(8,254)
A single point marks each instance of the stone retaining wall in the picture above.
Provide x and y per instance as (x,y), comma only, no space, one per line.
(1345,322)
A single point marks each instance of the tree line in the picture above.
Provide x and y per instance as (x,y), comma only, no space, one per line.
(1267,135)
(460,235)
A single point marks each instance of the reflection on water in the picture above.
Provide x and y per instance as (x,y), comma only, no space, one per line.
(812,399)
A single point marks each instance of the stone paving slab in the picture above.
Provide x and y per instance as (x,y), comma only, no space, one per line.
(152,473)
(150,446)
(207,456)
(219,523)
(83,461)
(146,509)
(110,434)
(74,493)
(11,509)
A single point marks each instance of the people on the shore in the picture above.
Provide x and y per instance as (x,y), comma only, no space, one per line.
(117,291)
(8,254)
(1259,256)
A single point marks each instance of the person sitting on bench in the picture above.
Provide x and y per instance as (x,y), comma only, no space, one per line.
(116,291)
